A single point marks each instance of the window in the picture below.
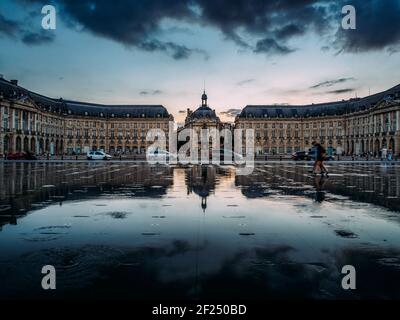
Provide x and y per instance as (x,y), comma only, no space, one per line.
(16,120)
(31,126)
(5,118)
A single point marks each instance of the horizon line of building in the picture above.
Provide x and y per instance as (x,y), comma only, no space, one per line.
(39,124)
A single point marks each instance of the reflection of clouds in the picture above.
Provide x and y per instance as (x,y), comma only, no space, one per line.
(179,269)
(168,249)
(378,271)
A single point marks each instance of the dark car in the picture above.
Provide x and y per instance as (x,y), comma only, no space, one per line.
(329,158)
(313,154)
(301,156)
(21,156)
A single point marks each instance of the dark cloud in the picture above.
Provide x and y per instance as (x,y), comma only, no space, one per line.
(244,82)
(231,112)
(289,31)
(272,47)
(331,83)
(272,23)
(8,27)
(177,52)
(38,38)
(259,26)
(24,32)
(378,26)
(393,50)
(131,23)
(150,92)
(340,91)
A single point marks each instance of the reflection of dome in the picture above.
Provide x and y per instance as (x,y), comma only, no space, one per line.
(201,181)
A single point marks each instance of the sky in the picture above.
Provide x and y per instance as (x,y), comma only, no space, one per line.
(164,52)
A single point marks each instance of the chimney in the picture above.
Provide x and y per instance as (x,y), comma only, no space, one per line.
(14,82)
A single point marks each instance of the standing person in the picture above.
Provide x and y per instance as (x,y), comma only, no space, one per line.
(319,158)
(390,154)
(384,154)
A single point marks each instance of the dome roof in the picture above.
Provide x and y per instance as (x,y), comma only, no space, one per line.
(203,112)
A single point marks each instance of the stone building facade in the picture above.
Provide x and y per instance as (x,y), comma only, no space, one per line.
(38,124)
(351,127)
(206,118)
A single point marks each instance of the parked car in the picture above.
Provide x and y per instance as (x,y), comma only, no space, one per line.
(21,156)
(301,156)
(159,154)
(98,155)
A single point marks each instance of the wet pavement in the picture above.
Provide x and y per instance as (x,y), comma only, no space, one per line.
(126,230)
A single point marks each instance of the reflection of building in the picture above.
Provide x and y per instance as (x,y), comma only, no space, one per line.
(32,122)
(201,181)
(371,186)
(29,186)
(355,126)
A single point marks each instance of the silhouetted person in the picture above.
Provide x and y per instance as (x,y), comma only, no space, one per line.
(319,158)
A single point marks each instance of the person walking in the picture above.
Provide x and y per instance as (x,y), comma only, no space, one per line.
(319,158)
(390,154)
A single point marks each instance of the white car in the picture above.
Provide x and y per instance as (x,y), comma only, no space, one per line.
(98,155)
(161,155)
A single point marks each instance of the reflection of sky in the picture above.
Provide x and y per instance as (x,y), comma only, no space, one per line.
(78,65)
(242,231)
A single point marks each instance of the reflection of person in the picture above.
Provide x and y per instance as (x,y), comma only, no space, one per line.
(319,188)
(319,158)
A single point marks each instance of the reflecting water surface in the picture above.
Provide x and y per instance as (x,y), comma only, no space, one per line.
(139,231)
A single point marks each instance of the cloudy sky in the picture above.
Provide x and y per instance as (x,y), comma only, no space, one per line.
(162,51)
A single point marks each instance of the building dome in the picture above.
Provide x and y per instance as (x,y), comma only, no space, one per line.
(204,112)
